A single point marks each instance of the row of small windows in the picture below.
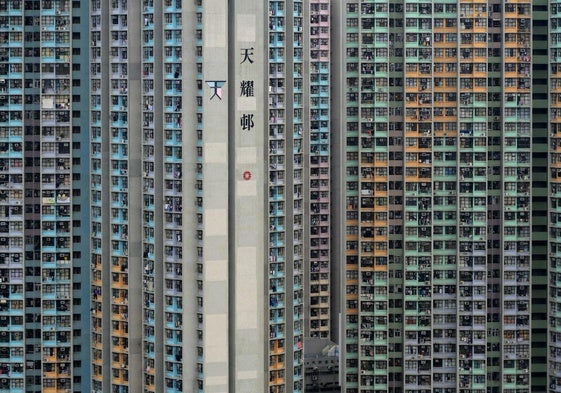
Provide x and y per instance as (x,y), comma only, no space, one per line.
(427,9)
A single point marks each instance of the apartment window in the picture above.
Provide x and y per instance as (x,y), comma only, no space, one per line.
(451,82)
(352,37)
(466,112)
(481,37)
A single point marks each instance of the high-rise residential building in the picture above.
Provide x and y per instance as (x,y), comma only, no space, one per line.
(142,318)
(286,202)
(319,282)
(551,160)
(44,241)
(210,181)
(444,150)
(299,269)
(253,169)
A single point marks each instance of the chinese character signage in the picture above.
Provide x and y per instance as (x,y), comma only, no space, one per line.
(216,87)
(247,121)
(247,88)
